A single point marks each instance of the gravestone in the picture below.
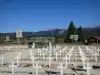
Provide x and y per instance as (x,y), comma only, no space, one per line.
(61,68)
(37,67)
(13,66)
(2,59)
(88,67)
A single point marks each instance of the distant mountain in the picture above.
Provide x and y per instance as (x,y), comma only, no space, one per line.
(93,26)
(44,32)
(91,31)
(87,31)
(51,32)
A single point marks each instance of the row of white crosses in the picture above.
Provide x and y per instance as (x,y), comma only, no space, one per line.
(17,59)
(42,53)
(82,56)
(67,58)
(14,66)
(10,48)
(94,52)
(51,50)
(85,66)
(70,52)
(33,58)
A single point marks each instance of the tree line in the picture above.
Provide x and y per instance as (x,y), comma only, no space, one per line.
(72,30)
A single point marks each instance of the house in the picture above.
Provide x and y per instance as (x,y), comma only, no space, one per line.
(94,39)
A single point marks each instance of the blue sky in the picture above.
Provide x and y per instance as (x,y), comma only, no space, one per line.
(35,15)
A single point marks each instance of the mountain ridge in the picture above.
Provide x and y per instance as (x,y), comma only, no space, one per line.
(56,31)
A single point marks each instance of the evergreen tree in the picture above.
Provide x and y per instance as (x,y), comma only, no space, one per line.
(70,31)
(80,34)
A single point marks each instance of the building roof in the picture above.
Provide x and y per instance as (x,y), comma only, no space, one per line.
(41,39)
(97,37)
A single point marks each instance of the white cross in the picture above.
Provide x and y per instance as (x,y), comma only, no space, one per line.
(69,55)
(88,68)
(50,47)
(56,56)
(40,53)
(12,66)
(37,67)
(33,46)
(95,56)
(66,58)
(49,60)
(31,52)
(32,58)
(83,60)
(19,54)
(43,55)
(61,68)
(2,59)
(75,56)
(60,52)
(17,60)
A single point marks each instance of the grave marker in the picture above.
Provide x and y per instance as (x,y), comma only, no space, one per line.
(88,67)
(95,56)
(61,68)
(19,54)
(43,55)
(66,58)
(17,60)
(37,67)
(31,53)
(56,56)
(84,61)
(12,66)
(32,58)
(2,59)
(49,60)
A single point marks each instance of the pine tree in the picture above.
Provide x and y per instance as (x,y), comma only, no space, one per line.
(70,31)
(80,34)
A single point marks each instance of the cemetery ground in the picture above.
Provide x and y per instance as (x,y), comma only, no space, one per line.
(52,60)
